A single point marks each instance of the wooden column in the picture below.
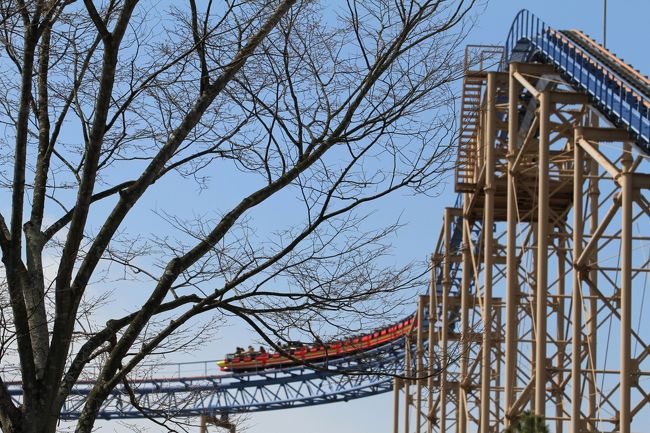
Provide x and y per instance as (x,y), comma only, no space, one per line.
(488,254)
(542,254)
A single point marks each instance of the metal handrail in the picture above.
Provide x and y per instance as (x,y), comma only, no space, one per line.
(609,93)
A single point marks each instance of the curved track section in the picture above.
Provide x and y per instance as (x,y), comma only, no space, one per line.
(196,388)
(186,392)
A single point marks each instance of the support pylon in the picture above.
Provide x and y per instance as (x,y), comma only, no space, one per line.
(550,239)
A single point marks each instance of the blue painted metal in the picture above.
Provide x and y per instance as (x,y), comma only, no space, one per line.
(181,395)
(625,105)
(178,393)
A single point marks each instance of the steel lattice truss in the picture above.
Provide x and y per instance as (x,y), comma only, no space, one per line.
(344,379)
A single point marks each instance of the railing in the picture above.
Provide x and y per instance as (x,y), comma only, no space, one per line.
(178,370)
(484,57)
(609,93)
(145,372)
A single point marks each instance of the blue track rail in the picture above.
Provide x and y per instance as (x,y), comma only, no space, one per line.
(613,94)
(368,373)
(179,395)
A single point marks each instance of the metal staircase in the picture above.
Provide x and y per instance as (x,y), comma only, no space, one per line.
(467,140)
(478,60)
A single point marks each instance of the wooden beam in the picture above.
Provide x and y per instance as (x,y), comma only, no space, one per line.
(640,180)
(599,157)
(572,98)
(603,134)
(524,82)
(538,69)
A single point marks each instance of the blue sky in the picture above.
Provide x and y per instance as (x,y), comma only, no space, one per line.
(626,37)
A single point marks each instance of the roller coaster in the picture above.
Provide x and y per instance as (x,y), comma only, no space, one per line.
(555,135)
(298,352)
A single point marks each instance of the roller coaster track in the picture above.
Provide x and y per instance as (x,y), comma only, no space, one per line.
(192,389)
(615,90)
(198,388)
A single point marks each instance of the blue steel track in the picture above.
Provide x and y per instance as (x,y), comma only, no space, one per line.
(371,372)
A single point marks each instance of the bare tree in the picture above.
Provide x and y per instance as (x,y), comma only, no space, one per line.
(104,103)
